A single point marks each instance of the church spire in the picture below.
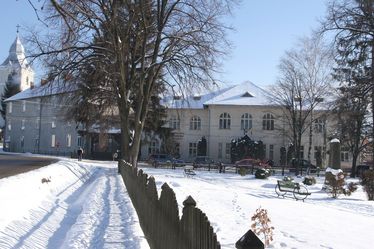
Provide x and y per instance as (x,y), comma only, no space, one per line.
(16,55)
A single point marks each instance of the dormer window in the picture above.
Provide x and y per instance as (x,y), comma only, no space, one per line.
(247,94)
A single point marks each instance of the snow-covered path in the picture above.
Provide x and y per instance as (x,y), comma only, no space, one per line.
(90,209)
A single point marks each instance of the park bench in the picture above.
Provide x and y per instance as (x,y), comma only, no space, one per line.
(188,170)
(299,192)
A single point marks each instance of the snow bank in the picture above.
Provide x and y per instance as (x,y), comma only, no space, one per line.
(85,205)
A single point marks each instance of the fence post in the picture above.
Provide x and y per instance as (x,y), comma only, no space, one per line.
(188,223)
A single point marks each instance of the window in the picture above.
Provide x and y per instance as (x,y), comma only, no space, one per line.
(9,125)
(36,142)
(195,123)
(268,122)
(228,150)
(22,124)
(68,140)
(53,140)
(302,152)
(246,122)
(153,147)
(27,80)
(264,146)
(23,105)
(317,150)
(271,151)
(192,149)
(53,123)
(319,125)
(38,104)
(219,150)
(10,107)
(344,154)
(174,123)
(37,123)
(22,141)
(79,141)
(224,121)
(177,149)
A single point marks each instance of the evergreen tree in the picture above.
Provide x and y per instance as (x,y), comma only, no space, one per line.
(10,89)
(352,22)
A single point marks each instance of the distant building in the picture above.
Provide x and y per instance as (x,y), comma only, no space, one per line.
(36,123)
(230,113)
(16,65)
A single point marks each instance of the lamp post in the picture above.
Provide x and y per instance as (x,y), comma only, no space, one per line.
(298,123)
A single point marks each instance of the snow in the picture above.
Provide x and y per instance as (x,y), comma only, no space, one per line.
(229,200)
(335,140)
(86,206)
(232,95)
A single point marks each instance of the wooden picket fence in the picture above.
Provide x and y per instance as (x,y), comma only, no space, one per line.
(159,217)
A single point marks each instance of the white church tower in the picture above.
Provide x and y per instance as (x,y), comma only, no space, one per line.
(17,66)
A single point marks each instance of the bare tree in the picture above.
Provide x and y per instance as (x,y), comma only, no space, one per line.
(134,46)
(304,81)
(352,23)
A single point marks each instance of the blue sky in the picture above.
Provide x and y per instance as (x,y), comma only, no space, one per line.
(265,29)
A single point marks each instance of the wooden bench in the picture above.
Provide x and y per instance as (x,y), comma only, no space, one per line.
(188,171)
(299,192)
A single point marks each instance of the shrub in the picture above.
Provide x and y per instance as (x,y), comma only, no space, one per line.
(242,171)
(309,180)
(288,179)
(261,225)
(262,173)
(335,183)
(367,182)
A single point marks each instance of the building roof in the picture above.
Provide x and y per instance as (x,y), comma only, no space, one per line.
(41,91)
(244,94)
(16,55)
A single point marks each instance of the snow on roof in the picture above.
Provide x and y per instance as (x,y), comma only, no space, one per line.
(41,91)
(246,93)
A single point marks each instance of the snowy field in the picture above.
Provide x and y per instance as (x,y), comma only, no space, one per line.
(230,200)
(85,205)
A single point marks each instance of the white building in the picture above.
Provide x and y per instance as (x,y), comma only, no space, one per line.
(228,114)
(17,66)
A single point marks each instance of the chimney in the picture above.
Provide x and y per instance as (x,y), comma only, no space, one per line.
(43,82)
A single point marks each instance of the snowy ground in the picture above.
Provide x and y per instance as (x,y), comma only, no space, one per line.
(86,206)
(230,200)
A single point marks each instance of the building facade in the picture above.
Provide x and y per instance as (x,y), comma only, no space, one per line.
(36,123)
(231,113)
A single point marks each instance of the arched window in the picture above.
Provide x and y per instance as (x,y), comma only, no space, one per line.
(246,122)
(154,147)
(174,123)
(268,122)
(195,123)
(224,121)
(319,125)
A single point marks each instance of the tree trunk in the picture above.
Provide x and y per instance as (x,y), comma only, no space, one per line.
(372,102)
